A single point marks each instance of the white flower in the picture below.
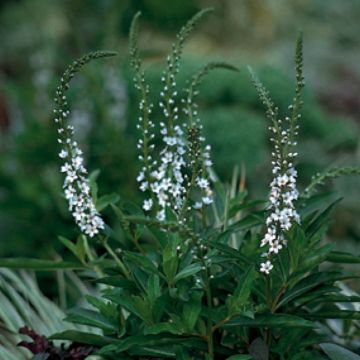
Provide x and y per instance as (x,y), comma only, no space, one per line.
(162,198)
(140,177)
(275,247)
(161,215)
(63,154)
(207,200)
(71,177)
(77,163)
(144,185)
(282,180)
(66,167)
(202,183)
(170,140)
(147,204)
(69,192)
(283,194)
(269,237)
(166,184)
(198,205)
(167,157)
(266,267)
(181,150)
(76,185)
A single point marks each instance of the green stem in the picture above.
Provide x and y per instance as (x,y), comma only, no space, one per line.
(282,269)
(117,259)
(210,339)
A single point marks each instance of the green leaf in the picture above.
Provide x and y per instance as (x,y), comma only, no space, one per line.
(315,203)
(316,257)
(310,282)
(240,357)
(81,246)
(192,310)
(335,352)
(69,244)
(321,220)
(316,294)
(38,264)
(188,271)
(90,318)
(158,351)
(108,310)
(233,253)
(134,304)
(296,245)
(106,200)
(170,261)
(243,290)
(153,291)
(118,282)
(159,328)
(343,258)
(270,320)
(234,209)
(248,222)
(337,298)
(336,314)
(142,340)
(82,338)
(142,261)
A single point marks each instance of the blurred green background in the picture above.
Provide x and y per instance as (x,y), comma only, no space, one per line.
(39,38)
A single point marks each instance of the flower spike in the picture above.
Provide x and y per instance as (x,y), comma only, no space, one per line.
(76,184)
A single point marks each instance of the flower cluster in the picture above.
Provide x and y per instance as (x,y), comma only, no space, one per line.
(200,163)
(167,179)
(283,192)
(76,184)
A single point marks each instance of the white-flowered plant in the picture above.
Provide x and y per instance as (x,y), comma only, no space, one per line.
(178,180)
(283,189)
(76,183)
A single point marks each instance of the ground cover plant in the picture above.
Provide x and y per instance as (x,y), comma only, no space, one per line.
(199,270)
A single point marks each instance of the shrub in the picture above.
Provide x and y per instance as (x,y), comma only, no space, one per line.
(200,270)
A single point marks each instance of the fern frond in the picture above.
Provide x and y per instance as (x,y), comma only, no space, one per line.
(331,174)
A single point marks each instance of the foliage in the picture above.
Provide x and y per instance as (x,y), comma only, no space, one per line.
(23,304)
(105,103)
(186,284)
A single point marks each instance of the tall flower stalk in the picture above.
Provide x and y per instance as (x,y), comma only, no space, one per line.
(198,152)
(283,188)
(164,179)
(76,183)
(183,160)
